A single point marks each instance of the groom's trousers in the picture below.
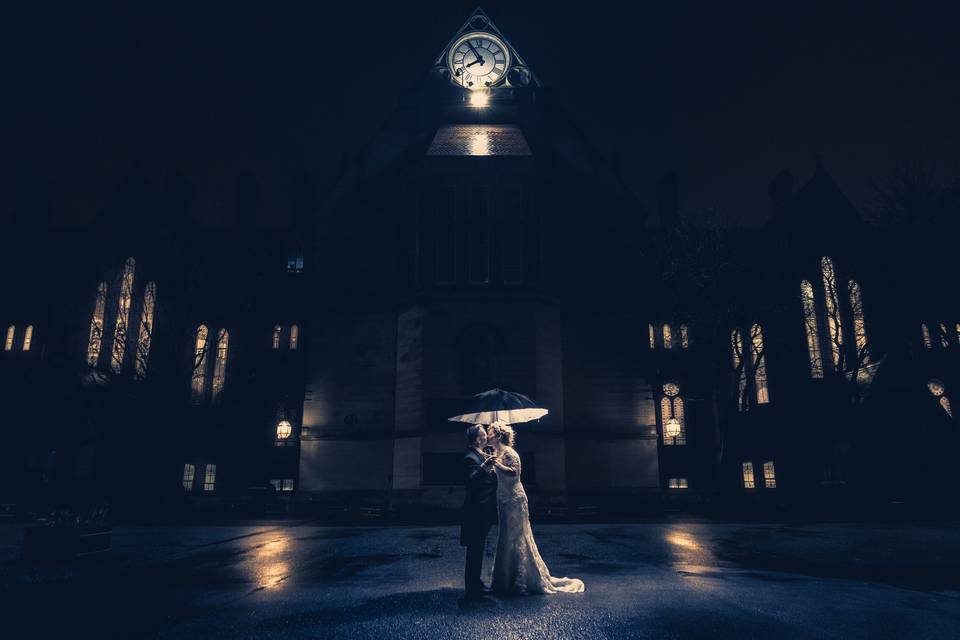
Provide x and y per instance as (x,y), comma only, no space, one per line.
(474,566)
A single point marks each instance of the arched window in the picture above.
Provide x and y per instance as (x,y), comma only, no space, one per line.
(939,392)
(758,360)
(276,336)
(810,327)
(834,324)
(294,337)
(944,336)
(859,326)
(8,343)
(684,337)
(653,335)
(667,337)
(199,365)
(27,337)
(739,368)
(146,328)
(925,334)
(96,325)
(220,364)
(123,315)
(673,423)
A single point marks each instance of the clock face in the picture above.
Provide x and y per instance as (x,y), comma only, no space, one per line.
(478,60)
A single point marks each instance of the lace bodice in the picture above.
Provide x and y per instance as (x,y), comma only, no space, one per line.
(509,485)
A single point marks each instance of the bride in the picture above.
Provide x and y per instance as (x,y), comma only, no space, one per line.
(517,567)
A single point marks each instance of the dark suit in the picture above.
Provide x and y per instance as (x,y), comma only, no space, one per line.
(479,514)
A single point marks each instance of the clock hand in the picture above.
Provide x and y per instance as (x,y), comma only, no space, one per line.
(477,61)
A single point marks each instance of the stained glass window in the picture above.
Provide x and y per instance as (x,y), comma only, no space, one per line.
(123,315)
(145,338)
(834,324)
(96,325)
(759,361)
(220,363)
(810,327)
(739,368)
(199,364)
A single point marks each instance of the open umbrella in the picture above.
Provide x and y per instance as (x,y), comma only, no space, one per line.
(497,404)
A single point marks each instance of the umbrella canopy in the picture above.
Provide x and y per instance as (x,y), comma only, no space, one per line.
(497,404)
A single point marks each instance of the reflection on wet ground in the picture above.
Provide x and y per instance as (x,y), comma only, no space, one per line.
(648,580)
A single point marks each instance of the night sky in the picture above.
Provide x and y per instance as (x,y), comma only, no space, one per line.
(725,93)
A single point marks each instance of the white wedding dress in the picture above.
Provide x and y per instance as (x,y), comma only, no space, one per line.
(518,567)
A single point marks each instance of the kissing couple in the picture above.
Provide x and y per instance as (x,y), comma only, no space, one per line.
(495,493)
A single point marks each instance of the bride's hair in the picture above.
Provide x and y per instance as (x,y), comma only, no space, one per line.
(503,432)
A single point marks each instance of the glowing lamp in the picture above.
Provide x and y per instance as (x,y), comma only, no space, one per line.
(284,429)
(479,99)
(672,428)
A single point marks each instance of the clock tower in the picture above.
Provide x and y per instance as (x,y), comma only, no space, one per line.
(470,243)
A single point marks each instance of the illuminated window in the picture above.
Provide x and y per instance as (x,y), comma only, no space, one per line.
(27,338)
(189,471)
(276,336)
(123,315)
(294,337)
(958,332)
(284,429)
(96,325)
(146,329)
(283,485)
(678,483)
(479,140)
(684,337)
(769,475)
(739,368)
(295,262)
(210,477)
(810,327)
(653,336)
(667,337)
(8,343)
(944,336)
(834,324)
(199,364)
(759,361)
(859,326)
(748,480)
(939,391)
(925,333)
(220,364)
(673,423)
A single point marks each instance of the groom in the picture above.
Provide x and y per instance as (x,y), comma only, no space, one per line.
(479,507)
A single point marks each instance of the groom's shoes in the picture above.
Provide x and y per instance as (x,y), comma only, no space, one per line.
(477,591)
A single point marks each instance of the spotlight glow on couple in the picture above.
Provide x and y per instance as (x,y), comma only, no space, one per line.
(494,493)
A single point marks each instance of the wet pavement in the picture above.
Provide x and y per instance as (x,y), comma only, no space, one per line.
(667,580)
